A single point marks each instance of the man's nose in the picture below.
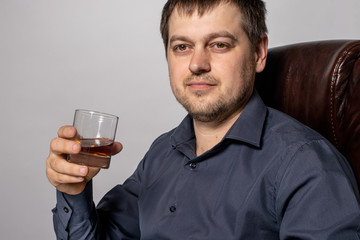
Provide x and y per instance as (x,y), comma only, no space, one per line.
(200,62)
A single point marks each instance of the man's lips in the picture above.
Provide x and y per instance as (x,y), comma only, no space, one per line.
(200,85)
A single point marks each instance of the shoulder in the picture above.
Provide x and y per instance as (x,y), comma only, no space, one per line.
(298,146)
(287,129)
(162,141)
(158,150)
(302,153)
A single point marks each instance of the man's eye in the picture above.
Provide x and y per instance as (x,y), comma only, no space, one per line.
(220,45)
(181,47)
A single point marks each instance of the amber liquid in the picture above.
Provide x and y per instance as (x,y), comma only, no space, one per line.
(95,152)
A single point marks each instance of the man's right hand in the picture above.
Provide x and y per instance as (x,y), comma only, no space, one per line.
(68,177)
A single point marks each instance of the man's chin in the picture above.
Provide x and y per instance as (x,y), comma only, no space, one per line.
(205,115)
(202,118)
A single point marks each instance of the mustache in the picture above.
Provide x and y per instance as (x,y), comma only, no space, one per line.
(203,77)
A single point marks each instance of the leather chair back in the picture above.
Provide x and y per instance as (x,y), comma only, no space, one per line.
(318,83)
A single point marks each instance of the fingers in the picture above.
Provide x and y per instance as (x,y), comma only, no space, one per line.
(117,147)
(60,171)
(57,179)
(66,176)
(67,132)
(70,184)
(64,146)
(62,166)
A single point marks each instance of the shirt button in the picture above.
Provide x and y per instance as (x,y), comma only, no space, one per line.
(66,209)
(172,209)
(192,165)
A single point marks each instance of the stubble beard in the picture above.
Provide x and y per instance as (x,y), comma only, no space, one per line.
(219,110)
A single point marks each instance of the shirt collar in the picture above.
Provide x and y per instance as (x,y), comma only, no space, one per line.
(247,128)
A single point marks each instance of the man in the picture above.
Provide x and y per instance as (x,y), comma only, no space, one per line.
(233,169)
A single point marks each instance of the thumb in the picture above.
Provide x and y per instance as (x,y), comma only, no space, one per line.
(116,148)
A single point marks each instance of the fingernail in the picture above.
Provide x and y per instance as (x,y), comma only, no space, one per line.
(75,147)
(82,170)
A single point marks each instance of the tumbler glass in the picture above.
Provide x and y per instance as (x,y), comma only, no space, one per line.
(96,134)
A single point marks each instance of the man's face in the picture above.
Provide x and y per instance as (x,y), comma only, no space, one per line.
(211,62)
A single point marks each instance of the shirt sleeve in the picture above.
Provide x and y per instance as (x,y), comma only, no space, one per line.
(317,195)
(115,217)
(74,214)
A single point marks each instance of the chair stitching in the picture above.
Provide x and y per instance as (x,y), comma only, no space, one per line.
(335,76)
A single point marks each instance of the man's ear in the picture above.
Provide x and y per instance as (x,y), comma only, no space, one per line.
(261,54)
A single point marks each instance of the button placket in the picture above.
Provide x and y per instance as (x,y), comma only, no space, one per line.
(172,208)
(192,165)
(66,210)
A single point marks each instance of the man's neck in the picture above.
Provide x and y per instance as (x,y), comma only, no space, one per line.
(208,134)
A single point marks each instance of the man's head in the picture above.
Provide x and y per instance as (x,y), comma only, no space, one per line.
(253,13)
(212,61)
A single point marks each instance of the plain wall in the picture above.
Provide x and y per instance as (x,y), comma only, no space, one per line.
(57,56)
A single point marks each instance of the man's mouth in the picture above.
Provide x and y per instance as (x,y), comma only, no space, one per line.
(200,85)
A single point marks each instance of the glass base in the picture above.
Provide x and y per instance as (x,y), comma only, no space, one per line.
(90,160)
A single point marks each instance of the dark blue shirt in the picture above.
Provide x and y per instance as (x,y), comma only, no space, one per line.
(269,178)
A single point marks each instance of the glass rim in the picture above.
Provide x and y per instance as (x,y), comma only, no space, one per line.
(92,112)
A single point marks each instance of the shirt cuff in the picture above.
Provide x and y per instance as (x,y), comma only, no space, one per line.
(75,208)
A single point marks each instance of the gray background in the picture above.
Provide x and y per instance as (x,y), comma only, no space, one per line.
(56,56)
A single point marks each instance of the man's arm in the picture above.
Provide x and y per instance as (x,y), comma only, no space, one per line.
(317,195)
(116,217)
(75,212)
(74,216)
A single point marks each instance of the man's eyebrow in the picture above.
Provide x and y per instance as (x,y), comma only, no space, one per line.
(208,37)
(179,38)
(224,34)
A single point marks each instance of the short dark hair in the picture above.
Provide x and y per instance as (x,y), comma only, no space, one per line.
(253,12)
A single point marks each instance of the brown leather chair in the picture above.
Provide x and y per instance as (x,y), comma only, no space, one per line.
(318,83)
